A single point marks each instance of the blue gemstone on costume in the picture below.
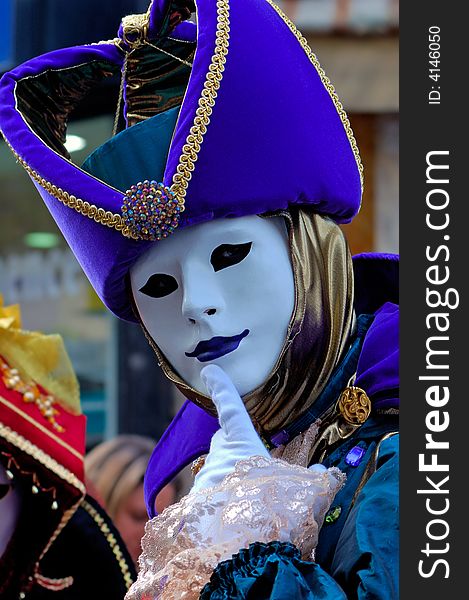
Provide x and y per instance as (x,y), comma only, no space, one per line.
(280,438)
(354,456)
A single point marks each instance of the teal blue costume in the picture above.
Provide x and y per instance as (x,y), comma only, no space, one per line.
(357,555)
(358,550)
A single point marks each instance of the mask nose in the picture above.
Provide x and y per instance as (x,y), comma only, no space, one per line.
(194,314)
(195,311)
(202,297)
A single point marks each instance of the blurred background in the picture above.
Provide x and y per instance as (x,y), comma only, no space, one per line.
(123,391)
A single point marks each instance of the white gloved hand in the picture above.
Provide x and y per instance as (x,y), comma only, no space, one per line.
(236,440)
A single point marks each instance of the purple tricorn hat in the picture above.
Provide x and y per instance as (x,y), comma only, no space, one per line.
(259,129)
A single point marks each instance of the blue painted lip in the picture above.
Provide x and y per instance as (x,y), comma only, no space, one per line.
(216,347)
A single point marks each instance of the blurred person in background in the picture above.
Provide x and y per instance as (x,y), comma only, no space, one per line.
(55,539)
(115,470)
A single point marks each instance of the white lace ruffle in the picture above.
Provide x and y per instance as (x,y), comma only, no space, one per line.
(263,500)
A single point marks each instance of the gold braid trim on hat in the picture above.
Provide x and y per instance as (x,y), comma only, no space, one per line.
(41,427)
(32,450)
(190,149)
(101,216)
(213,79)
(327,84)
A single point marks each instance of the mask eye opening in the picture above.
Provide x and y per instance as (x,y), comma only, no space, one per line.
(228,255)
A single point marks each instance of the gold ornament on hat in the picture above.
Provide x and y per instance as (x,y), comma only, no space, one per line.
(151,211)
(31,394)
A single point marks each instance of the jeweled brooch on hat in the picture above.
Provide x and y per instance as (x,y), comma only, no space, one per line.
(150,210)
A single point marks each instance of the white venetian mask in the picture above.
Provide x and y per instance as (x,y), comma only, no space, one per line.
(220,292)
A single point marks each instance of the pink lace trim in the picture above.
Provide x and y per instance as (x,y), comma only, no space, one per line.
(263,500)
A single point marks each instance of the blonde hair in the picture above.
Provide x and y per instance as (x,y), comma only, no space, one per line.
(116,467)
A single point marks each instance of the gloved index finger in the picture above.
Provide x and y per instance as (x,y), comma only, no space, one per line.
(232,414)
